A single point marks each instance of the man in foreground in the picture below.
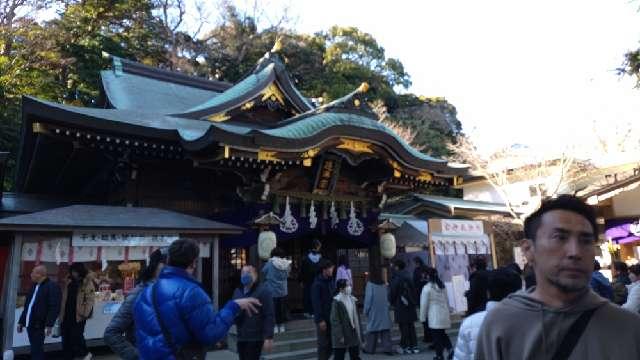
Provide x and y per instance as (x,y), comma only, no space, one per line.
(174,317)
(560,318)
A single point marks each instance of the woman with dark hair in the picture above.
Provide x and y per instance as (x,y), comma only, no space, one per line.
(633,300)
(276,274)
(376,307)
(120,333)
(345,324)
(435,307)
(344,270)
(78,297)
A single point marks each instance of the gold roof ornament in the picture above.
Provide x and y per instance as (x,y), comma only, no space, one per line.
(277,46)
(363,88)
(424,176)
(355,146)
(273,93)
(219,117)
(268,156)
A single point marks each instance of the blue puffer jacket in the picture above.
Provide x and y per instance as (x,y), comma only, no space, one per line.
(182,303)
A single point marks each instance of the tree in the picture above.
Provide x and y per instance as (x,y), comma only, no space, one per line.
(548,173)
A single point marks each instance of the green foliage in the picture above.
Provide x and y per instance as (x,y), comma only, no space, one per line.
(61,59)
(433,120)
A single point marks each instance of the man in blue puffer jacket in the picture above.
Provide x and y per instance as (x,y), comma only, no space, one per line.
(187,311)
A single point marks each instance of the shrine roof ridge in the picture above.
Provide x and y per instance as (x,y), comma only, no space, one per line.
(116,217)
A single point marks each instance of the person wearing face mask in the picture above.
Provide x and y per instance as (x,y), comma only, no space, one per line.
(255,332)
(345,324)
(174,317)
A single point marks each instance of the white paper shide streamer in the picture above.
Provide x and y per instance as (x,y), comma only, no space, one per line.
(354,227)
(289,224)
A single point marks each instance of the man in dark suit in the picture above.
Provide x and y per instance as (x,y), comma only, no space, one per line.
(41,310)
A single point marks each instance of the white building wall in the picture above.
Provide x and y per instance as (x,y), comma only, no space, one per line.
(519,193)
(627,204)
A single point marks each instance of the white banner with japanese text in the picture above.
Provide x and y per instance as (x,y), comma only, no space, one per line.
(111,238)
(462,227)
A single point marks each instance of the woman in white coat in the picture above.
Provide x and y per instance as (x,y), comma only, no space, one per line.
(435,307)
(633,300)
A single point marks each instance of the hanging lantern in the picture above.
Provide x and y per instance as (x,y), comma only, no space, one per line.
(266,243)
(388,245)
(266,238)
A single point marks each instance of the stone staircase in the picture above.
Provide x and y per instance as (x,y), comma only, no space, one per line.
(299,341)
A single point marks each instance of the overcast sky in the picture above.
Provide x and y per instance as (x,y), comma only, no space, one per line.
(532,72)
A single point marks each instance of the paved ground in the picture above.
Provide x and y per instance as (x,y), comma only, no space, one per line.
(228,355)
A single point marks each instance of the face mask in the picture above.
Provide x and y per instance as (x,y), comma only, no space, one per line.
(347,290)
(246,279)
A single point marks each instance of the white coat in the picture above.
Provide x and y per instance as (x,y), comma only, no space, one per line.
(434,305)
(633,300)
(468,334)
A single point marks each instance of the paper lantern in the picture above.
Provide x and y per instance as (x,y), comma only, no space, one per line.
(388,245)
(266,243)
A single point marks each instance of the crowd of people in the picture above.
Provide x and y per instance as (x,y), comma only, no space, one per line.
(548,310)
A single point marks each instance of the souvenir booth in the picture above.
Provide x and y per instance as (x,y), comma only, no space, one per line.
(453,244)
(114,243)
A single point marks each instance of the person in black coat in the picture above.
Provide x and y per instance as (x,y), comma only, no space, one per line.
(255,332)
(478,286)
(41,310)
(322,293)
(309,268)
(402,296)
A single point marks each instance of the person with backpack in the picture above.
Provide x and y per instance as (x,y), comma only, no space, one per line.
(402,298)
(276,275)
(174,317)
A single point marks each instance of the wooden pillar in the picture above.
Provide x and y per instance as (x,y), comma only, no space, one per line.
(375,259)
(13,283)
(215,270)
(494,257)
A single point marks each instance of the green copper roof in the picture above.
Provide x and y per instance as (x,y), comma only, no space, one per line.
(311,125)
(240,89)
(134,92)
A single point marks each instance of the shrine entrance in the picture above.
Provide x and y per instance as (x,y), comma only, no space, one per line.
(333,245)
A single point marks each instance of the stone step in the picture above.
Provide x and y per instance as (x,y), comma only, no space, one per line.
(297,340)
(310,352)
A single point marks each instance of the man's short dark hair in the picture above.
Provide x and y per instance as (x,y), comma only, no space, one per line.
(635,269)
(479,263)
(596,265)
(503,282)
(278,252)
(621,267)
(399,263)
(562,202)
(324,264)
(182,253)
